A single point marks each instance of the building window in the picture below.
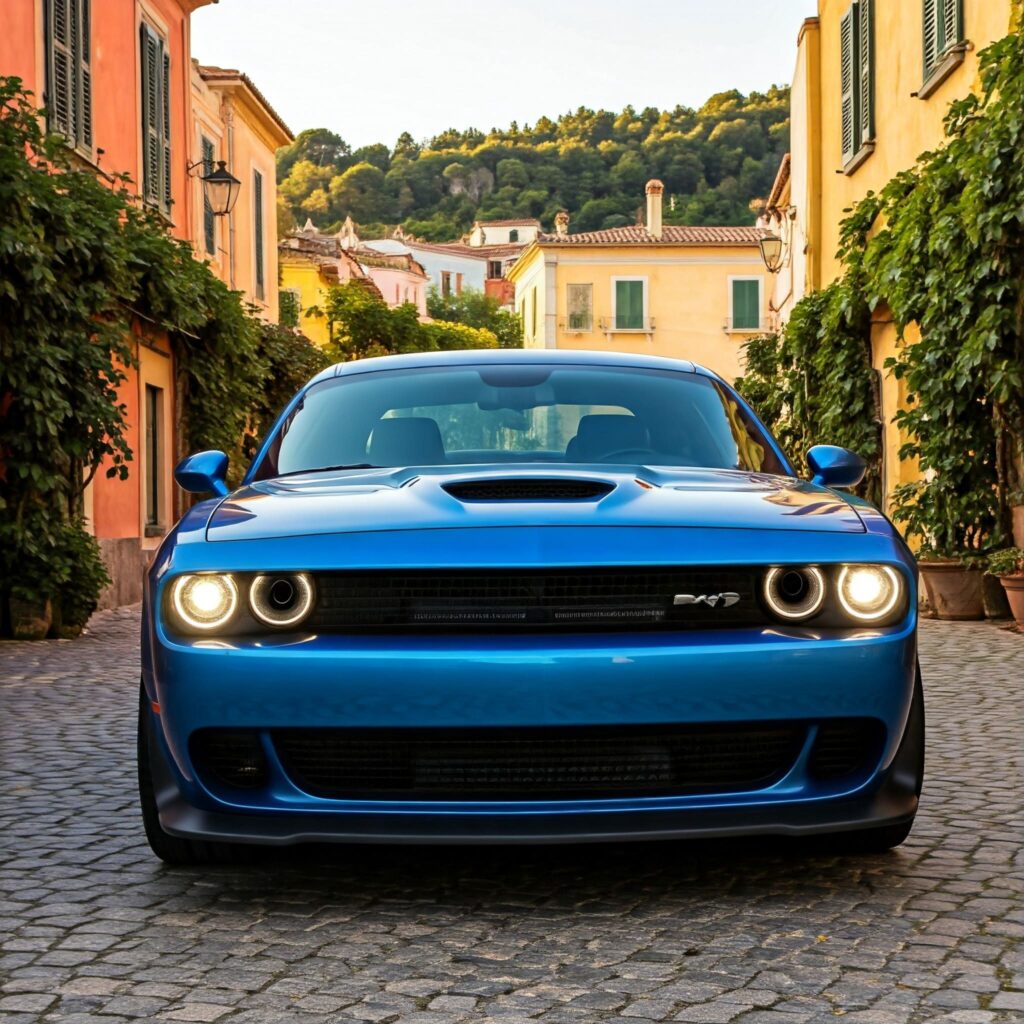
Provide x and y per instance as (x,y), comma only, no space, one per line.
(533,313)
(458,284)
(581,307)
(257,227)
(630,302)
(156,120)
(493,269)
(857,78)
(209,221)
(69,72)
(745,303)
(446,282)
(943,29)
(513,235)
(154,455)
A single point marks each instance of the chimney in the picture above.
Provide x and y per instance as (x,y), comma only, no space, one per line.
(654,191)
(561,223)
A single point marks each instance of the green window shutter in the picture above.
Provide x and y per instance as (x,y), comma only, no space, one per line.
(848,81)
(151,106)
(156,119)
(746,305)
(60,89)
(932,46)
(257,193)
(165,125)
(866,71)
(68,96)
(629,305)
(952,23)
(209,221)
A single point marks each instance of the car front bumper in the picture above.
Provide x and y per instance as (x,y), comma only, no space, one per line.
(762,675)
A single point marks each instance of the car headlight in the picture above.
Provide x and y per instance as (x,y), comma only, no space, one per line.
(869,593)
(794,593)
(281,599)
(206,601)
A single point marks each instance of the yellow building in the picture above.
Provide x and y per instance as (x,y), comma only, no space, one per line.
(233,122)
(692,293)
(870,91)
(310,265)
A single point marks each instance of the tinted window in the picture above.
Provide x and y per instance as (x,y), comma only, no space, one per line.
(518,413)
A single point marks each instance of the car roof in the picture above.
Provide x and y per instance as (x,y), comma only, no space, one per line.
(553,357)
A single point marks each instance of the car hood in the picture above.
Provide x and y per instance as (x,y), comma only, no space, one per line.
(365,501)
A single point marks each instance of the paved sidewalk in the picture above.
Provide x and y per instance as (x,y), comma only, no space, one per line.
(93,928)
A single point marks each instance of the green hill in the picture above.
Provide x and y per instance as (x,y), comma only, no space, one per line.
(714,161)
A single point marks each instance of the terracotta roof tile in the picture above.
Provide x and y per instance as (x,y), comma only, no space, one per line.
(672,234)
(210,73)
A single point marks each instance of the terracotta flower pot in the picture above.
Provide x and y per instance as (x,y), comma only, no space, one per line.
(30,620)
(993,596)
(1014,587)
(953,591)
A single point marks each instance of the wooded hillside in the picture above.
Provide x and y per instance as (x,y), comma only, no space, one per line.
(594,164)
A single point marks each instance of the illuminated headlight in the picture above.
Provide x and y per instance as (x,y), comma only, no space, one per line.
(794,593)
(869,592)
(281,599)
(204,602)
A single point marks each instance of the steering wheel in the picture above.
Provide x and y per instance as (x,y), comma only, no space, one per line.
(622,452)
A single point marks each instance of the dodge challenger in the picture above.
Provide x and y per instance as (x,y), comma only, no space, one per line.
(521,597)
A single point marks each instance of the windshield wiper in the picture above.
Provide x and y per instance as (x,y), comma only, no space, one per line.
(330,469)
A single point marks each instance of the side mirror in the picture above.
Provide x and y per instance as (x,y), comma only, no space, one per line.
(203,472)
(833,466)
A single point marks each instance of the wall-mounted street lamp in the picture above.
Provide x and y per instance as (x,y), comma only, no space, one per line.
(771,252)
(220,187)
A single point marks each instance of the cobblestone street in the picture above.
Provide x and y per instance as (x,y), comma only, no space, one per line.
(94,928)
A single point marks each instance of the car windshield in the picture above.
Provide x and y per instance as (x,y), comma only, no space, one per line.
(517,413)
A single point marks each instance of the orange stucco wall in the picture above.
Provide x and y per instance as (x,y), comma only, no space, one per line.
(115,507)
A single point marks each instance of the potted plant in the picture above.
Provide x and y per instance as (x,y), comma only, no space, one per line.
(1008,565)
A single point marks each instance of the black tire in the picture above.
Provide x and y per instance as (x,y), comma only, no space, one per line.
(172,849)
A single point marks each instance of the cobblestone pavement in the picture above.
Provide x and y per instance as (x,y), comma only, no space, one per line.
(93,928)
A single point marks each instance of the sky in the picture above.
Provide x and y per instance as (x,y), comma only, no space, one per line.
(371,69)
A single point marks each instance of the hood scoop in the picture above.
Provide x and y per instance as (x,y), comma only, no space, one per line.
(529,489)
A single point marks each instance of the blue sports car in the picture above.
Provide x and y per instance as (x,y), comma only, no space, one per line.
(530,596)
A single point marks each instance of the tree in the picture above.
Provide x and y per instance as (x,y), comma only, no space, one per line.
(363,326)
(476,309)
(359,192)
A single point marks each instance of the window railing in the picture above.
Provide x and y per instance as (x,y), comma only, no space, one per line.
(611,325)
(742,325)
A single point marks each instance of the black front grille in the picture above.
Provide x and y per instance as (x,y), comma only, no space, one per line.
(529,490)
(543,763)
(564,600)
(845,747)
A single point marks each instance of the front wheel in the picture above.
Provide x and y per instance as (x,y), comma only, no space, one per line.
(171,849)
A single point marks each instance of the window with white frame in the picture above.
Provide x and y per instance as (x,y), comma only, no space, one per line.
(745,303)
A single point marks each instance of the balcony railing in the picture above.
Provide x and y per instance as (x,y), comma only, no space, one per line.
(744,326)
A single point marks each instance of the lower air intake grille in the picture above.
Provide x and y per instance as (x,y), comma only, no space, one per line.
(529,490)
(537,763)
(231,757)
(845,747)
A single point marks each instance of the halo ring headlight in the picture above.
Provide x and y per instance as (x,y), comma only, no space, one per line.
(204,601)
(281,599)
(869,593)
(794,593)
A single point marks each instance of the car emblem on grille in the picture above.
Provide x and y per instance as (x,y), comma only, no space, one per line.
(711,600)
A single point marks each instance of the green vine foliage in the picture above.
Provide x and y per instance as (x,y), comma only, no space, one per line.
(813,383)
(950,258)
(81,265)
(942,247)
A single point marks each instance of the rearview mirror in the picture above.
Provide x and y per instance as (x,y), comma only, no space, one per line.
(833,466)
(202,473)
